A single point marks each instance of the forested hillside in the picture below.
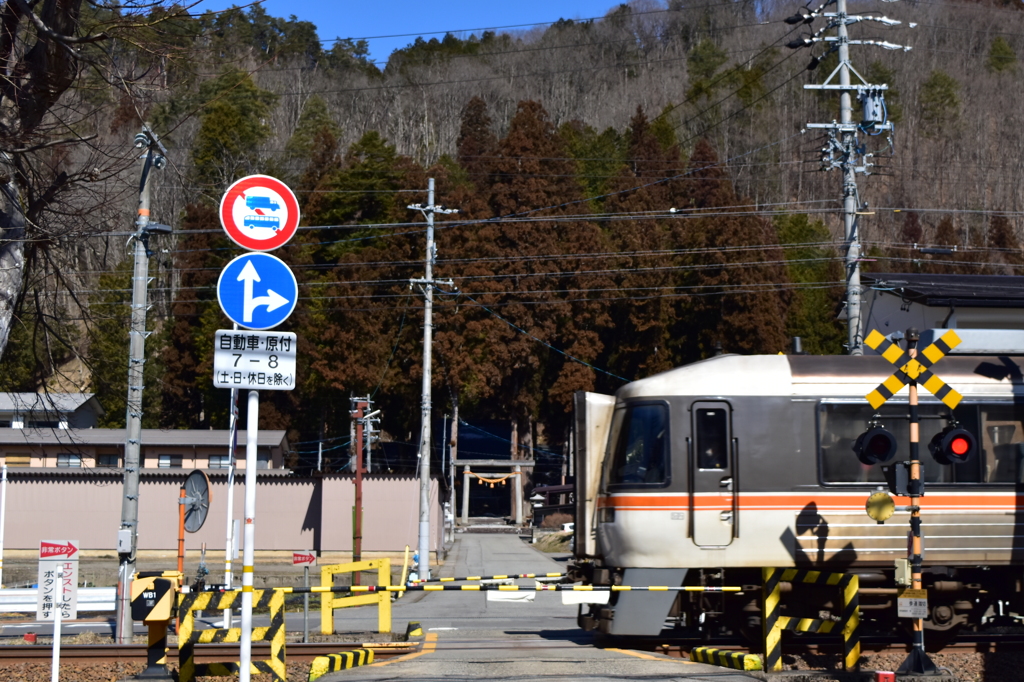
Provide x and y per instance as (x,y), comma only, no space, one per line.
(635,192)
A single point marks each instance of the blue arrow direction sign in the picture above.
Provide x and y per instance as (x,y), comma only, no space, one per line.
(257,291)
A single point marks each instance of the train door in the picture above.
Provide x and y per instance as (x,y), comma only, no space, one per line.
(713,504)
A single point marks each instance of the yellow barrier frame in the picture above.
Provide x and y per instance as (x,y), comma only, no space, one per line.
(328,602)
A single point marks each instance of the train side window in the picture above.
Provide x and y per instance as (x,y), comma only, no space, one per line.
(640,457)
(1001,441)
(712,439)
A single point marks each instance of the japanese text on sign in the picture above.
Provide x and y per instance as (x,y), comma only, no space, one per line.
(912,604)
(58,580)
(254,360)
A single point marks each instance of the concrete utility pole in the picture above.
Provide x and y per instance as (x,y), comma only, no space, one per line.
(427,284)
(842,150)
(127,536)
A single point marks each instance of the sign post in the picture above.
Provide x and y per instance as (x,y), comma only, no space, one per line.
(304,559)
(913,367)
(256,291)
(55,662)
(58,580)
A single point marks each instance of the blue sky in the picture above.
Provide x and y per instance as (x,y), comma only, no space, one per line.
(344,19)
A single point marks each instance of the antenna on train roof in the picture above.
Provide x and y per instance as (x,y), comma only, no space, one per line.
(841,149)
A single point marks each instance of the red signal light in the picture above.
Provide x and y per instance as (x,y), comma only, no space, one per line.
(953,445)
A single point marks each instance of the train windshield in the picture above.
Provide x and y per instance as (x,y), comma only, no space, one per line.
(639,439)
(998,427)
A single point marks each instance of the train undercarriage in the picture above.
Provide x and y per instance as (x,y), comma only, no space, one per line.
(960,600)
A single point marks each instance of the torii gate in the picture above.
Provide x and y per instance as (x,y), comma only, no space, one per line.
(515,466)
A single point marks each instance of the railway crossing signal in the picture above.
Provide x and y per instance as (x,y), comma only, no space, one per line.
(874,446)
(953,445)
(913,368)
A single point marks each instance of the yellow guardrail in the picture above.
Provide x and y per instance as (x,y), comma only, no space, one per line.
(382,598)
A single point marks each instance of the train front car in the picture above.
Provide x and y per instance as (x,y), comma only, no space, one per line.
(706,474)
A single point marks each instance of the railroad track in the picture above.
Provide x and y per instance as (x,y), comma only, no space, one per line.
(296,652)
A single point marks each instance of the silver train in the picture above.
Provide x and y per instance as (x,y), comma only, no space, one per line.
(704,474)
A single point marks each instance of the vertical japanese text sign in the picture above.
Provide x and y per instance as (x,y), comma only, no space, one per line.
(56,556)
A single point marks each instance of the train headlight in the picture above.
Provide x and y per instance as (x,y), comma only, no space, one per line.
(874,446)
(606,515)
(880,507)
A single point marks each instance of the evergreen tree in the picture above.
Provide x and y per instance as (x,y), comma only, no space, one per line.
(940,104)
(639,342)
(1001,57)
(109,340)
(529,272)
(946,234)
(233,126)
(314,129)
(1004,247)
(737,290)
(813,263)
(189,398)
(477,143)
(912,232)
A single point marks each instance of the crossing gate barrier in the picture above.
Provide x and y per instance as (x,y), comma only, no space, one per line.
(335,662)
(328,602)
(773,623)
(188,636)
(728,659)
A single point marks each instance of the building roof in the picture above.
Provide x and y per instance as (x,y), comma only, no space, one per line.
(962,291)
(45,402)
(150,437)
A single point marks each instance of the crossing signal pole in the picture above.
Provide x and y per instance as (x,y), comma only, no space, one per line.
(427,285)
(842,150)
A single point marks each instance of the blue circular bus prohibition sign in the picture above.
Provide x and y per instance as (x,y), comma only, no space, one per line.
(257,291)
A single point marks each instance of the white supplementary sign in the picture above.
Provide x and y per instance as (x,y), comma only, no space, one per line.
(57,558)
(304,558)
(254,360)
(912,604)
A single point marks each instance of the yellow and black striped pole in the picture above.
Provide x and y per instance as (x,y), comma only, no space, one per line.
(188,636)
(774,623)
(917,662)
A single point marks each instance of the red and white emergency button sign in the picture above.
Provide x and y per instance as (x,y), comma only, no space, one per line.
(304,558)
(59,549)
(259,213)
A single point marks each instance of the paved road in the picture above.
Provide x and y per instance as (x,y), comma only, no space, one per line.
(470,638)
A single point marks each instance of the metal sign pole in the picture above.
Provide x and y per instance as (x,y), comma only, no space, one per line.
(305,605)
(229,544)
(3,518)
(251,435)
(57,612)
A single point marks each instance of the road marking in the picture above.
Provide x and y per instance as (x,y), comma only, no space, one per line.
(429,645)
(649,657)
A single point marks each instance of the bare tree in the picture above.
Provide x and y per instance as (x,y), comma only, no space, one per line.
(61,61)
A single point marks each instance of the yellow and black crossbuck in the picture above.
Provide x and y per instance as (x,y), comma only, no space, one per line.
(913,369)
